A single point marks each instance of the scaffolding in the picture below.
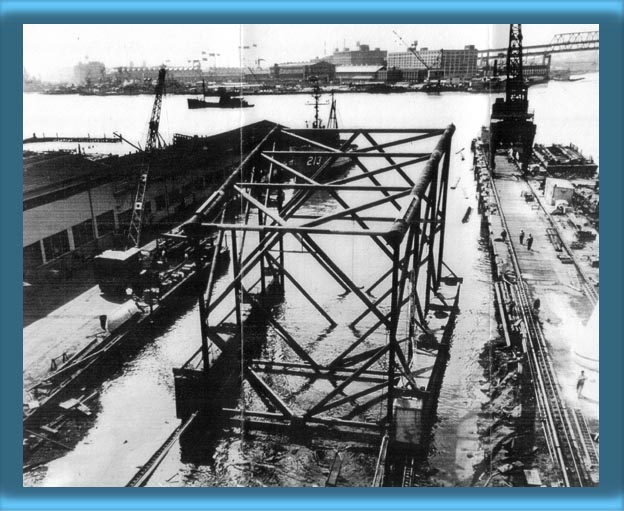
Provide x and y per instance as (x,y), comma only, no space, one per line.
(392,200)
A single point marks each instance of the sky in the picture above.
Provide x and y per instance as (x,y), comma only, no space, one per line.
(48,49)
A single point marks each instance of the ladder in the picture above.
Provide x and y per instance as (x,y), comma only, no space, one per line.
(136,222)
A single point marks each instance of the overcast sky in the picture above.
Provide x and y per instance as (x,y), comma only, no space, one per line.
(50,48)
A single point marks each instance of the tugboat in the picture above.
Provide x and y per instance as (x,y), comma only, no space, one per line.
(310,164)
(226,100)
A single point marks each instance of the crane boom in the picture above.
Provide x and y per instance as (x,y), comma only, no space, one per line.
(152,135)
(153,141)
(515,88)
(415,53)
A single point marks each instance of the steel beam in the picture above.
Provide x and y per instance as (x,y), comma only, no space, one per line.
(360,376)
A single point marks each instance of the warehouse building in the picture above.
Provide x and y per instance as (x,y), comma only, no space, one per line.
(362,56)
(446,64)
(303,71)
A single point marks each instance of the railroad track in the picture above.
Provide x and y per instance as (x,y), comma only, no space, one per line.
(567,435)
(586,285)
(147,470)
(408,472)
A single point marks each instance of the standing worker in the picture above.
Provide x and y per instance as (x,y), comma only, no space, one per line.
(580,383)
(521,237)
(530,241)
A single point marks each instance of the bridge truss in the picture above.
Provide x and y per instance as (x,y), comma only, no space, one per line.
(560,43)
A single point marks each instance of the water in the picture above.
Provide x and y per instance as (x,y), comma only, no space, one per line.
(137,409)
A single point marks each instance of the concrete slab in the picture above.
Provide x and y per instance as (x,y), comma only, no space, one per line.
(65,330)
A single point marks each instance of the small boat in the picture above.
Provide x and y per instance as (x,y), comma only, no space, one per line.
(226,100)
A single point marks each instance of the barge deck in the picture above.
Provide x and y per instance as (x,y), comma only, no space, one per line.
(546,298)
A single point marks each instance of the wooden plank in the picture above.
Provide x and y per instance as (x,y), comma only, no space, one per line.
(334,471)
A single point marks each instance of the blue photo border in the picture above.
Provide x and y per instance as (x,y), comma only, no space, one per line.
(606,13)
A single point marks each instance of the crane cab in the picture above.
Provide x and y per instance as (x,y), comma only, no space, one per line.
(116,270)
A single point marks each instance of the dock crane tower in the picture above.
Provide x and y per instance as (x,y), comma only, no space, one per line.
(416,54)
(511,123)
(154,140)
(119,270)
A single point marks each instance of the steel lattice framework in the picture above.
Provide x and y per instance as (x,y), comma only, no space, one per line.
(393,201)
(560,43)
(574,41)
(516,90)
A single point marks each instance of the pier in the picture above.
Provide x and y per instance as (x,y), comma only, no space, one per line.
(89,140)
(530,281)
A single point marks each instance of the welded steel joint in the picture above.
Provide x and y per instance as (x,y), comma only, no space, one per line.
(407,216)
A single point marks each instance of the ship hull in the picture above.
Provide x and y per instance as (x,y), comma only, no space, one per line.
(200,103)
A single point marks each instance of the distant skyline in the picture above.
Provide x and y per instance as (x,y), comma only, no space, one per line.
(50,50)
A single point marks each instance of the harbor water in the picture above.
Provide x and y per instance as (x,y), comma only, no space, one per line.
(136,408)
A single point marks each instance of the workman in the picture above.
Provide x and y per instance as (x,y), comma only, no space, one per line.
(580,383)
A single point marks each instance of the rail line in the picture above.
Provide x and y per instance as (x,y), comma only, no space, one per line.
(586,285)
(147,470)
(565,441)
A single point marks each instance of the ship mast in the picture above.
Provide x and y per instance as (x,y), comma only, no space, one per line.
(316,94)
(332,122)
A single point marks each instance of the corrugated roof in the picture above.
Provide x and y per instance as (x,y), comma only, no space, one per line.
(58,169)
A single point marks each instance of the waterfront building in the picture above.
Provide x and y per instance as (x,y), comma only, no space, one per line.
(88,72)
(446,63)
(391,75)
(352,74)
(303,71)
(74,206)
(257,75)
(362,56)
(181,74)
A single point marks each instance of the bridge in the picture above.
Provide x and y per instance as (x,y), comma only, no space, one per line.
(560,43)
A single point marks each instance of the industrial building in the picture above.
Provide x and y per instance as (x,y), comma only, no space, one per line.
(447,63)
(73,205)
(88,72)
(302,71)
(362,56)
(352,74)
(187,74)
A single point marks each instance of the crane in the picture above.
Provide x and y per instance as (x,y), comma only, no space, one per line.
(154,140)
(119,270)
(511,123)
(416,54)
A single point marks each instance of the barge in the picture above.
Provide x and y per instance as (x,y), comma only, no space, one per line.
(560,160)
(533,280)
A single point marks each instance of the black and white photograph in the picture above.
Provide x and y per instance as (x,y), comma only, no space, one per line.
(300,255)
